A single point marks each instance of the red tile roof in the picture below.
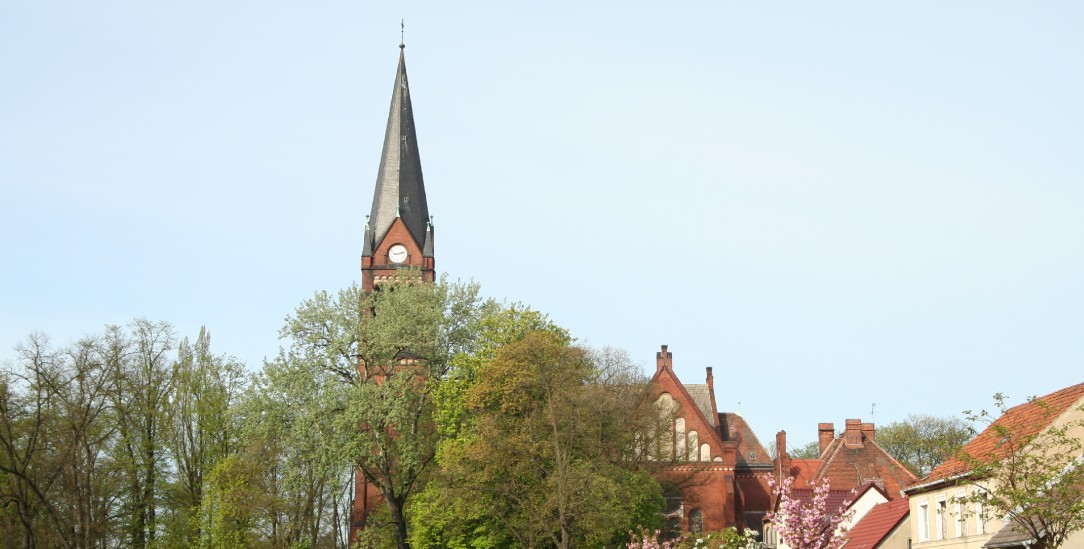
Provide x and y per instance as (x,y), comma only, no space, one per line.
(876,525)
(802,470)
(1023,420)
(851,466)
(836,498)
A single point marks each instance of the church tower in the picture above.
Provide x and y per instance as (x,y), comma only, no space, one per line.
(398,234)
(398,231)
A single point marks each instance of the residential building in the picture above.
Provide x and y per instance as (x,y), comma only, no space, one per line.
(886,526)
(849,461)
(940,521)
(858,501)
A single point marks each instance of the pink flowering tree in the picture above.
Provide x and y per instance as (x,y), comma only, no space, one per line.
(646,539)
(808,523)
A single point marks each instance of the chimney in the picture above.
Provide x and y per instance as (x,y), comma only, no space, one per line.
(663,360)
(868,431)
(711,396)
(825,433)
(852,435)
(781,463)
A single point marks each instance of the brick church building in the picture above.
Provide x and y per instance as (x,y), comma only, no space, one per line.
(714,469)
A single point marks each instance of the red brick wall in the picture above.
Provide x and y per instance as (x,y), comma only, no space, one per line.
(378,265)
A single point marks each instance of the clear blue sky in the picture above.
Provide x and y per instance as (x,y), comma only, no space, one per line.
(832,204)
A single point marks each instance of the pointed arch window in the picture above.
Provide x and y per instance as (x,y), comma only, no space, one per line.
(696,521)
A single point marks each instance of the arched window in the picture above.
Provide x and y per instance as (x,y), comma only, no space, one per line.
(672,515)
(673,527)
(694,445)
(696,521)
(679,441)
(673,498)
(666,406)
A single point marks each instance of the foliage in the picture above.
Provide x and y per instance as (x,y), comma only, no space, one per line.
(106,441)
(923,442)
(543,461)
(643,538)
(201,433)
(441,515)
(378,358)
(810,450)
(1034,474)
(808,524)
(727,538)
(499,325)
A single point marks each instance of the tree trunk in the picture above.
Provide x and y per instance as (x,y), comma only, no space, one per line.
(395,509)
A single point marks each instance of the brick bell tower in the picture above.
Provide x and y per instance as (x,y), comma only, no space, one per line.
(398,231)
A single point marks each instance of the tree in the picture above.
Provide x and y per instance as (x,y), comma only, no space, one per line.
(808,524)
(382,355)
(443,514)
(1032,472)
(548,451)
(103,442)
(143,380)
(809,450)
(32,449)
(727,538)
(923,442)
(201,431)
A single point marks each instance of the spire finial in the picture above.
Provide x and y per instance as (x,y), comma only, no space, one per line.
(402,31)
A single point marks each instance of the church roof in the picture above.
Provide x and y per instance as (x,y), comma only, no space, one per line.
(701,396)
(750,451)
(400,191)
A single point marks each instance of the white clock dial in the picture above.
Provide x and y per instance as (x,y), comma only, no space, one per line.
(397,253)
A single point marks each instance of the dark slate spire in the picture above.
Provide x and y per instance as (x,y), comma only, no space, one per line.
(400,191)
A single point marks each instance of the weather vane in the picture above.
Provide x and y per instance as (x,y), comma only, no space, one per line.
(402,31)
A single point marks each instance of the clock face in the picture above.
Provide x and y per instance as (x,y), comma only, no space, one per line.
(397,253)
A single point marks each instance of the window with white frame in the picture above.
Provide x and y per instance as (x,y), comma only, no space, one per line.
(980,521)
(958,514)
(941,511)
(923,521)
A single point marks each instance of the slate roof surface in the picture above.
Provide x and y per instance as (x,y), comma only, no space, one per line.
(1023,419)
(1011,535)
(400,191)
(878,523)
(750,451)
(702,398)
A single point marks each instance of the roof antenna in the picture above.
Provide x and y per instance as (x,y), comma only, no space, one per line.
(402,31)
(872,412)
(739,407)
